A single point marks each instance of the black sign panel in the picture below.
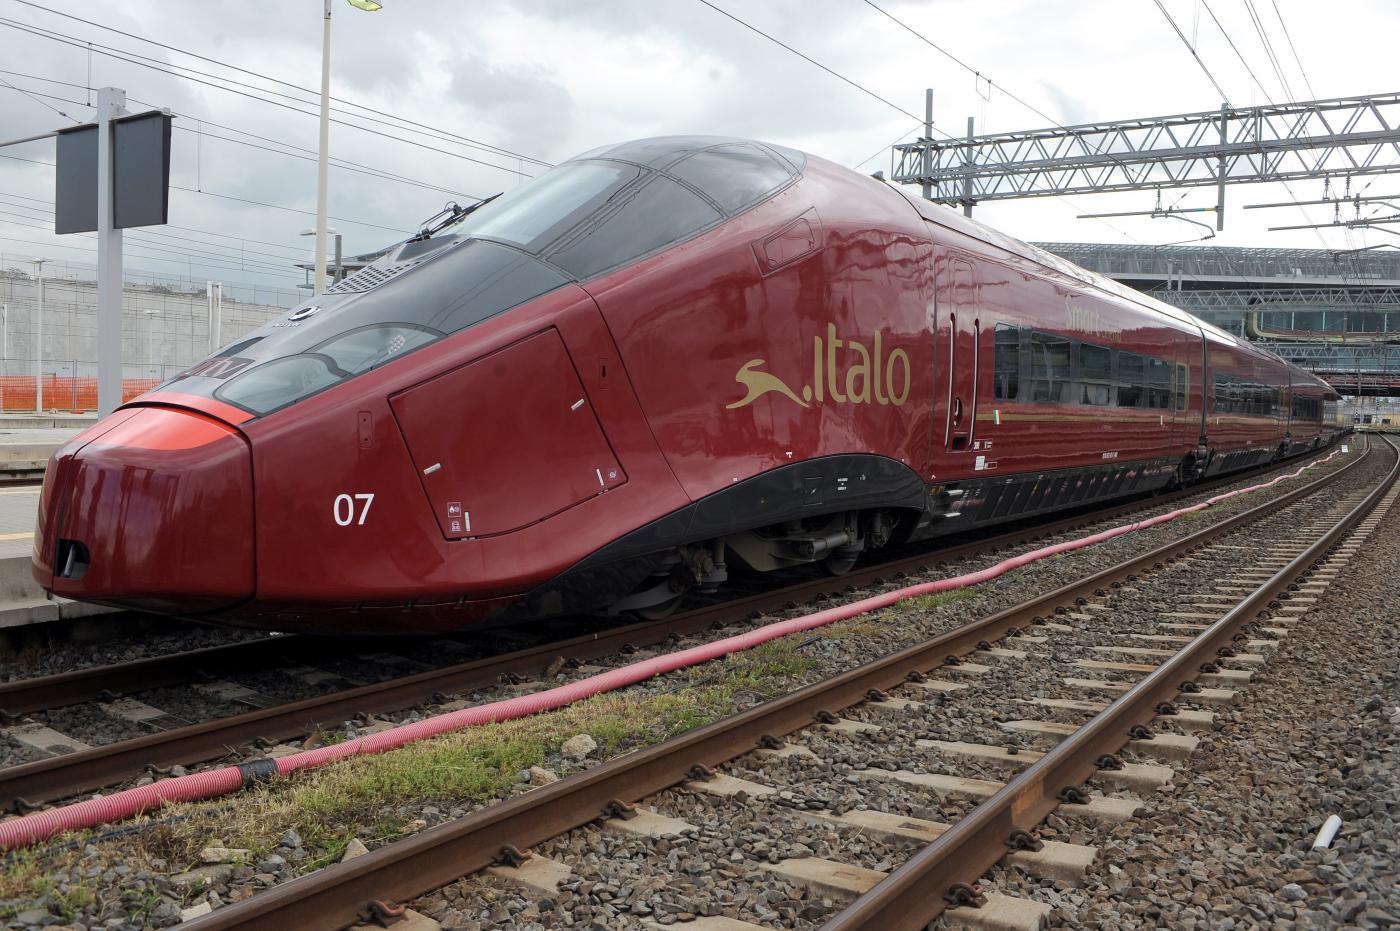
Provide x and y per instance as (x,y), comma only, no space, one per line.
(140,173)
(75,184)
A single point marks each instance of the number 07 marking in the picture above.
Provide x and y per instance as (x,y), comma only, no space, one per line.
(344,508)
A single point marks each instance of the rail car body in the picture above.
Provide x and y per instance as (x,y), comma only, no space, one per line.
(662,359)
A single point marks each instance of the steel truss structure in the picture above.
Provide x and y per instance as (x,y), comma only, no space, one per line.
(1343,136)
(1265,299)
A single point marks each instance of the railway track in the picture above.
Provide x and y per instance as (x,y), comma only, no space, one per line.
(74,767)
(922,770)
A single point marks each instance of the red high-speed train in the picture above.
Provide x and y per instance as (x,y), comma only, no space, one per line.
(661,359)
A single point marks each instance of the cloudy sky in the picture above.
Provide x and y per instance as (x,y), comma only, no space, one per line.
(518,85)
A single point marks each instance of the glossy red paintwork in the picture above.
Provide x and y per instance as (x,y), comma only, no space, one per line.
(162,500)
(874,314)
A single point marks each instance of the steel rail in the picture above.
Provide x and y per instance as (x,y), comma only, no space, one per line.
(29,785)
(95,683)
(912,896)
(333,897)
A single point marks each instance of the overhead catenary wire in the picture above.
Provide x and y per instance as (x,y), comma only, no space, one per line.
(810,60)
(241,239)
(991,84)
(1287,35)
(159,246)
(242,200)
(1192,49)
(1267,96)
(334,161)
(1268,47)
(134,59)
(443,133)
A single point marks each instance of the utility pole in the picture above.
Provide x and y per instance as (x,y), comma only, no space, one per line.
(928,134)
(319,283)
(967,178)
(39,341)
(111,103)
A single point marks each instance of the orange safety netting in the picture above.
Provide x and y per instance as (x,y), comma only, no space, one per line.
(62,392)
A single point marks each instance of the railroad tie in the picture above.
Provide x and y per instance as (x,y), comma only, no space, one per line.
(46,740)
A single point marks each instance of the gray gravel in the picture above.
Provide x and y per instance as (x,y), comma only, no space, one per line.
(751,836)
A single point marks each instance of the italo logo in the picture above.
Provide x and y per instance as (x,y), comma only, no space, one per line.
(844,370)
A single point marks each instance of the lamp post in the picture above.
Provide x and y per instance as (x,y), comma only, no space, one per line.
(338,271)
(151,339)
(368,6)
(39,341)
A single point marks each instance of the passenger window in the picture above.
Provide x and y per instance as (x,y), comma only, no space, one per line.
(1182,373)
(733,176)
(1159,388)
(1007,365)
(654,214)
(1132,371)
(1050,368)
(1095,374)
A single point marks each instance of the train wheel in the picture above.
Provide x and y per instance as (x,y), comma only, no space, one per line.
(661,610)
(841,561)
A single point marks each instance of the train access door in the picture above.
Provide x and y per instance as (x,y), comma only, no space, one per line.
(961,335)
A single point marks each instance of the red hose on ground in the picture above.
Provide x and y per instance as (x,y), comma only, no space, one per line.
(20,832)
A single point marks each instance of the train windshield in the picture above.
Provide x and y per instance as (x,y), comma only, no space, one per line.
(581,219)
(619,204)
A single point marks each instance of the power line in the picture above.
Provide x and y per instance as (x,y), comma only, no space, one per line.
(335,162)
(1192,49)
(1268,47)
(159,246)
(204,259)
(1226,33)
(445,134)
(133,59)
(990,84)
(190,229)
(242,200)
(1301,70)
(1287,188)
(836,74)
(41,103)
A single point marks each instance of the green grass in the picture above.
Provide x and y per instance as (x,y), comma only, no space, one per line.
(469,768)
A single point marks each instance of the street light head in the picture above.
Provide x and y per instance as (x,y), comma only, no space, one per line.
(330,231)
(369,6)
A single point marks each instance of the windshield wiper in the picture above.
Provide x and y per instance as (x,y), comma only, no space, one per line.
(450,215)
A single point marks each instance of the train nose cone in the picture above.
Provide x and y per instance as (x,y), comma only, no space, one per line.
(151,509)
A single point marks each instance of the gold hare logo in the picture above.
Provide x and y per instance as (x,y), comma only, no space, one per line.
(843,369)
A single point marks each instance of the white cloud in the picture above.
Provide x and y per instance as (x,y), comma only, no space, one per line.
(550,78)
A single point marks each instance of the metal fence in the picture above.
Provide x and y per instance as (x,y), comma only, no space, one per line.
(167,325)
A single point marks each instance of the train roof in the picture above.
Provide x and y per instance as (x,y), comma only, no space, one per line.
(951,219)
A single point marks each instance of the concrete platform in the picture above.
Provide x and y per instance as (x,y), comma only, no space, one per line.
(25,450)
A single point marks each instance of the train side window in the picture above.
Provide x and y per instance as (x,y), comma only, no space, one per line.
(634,222)
(733,176)
(1007,365)
(1159,384)
(1182,374)
(1050,368)
(1095,374)
(1222,394)
(1132,371)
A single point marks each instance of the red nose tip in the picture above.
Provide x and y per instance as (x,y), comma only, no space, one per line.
(151,509)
